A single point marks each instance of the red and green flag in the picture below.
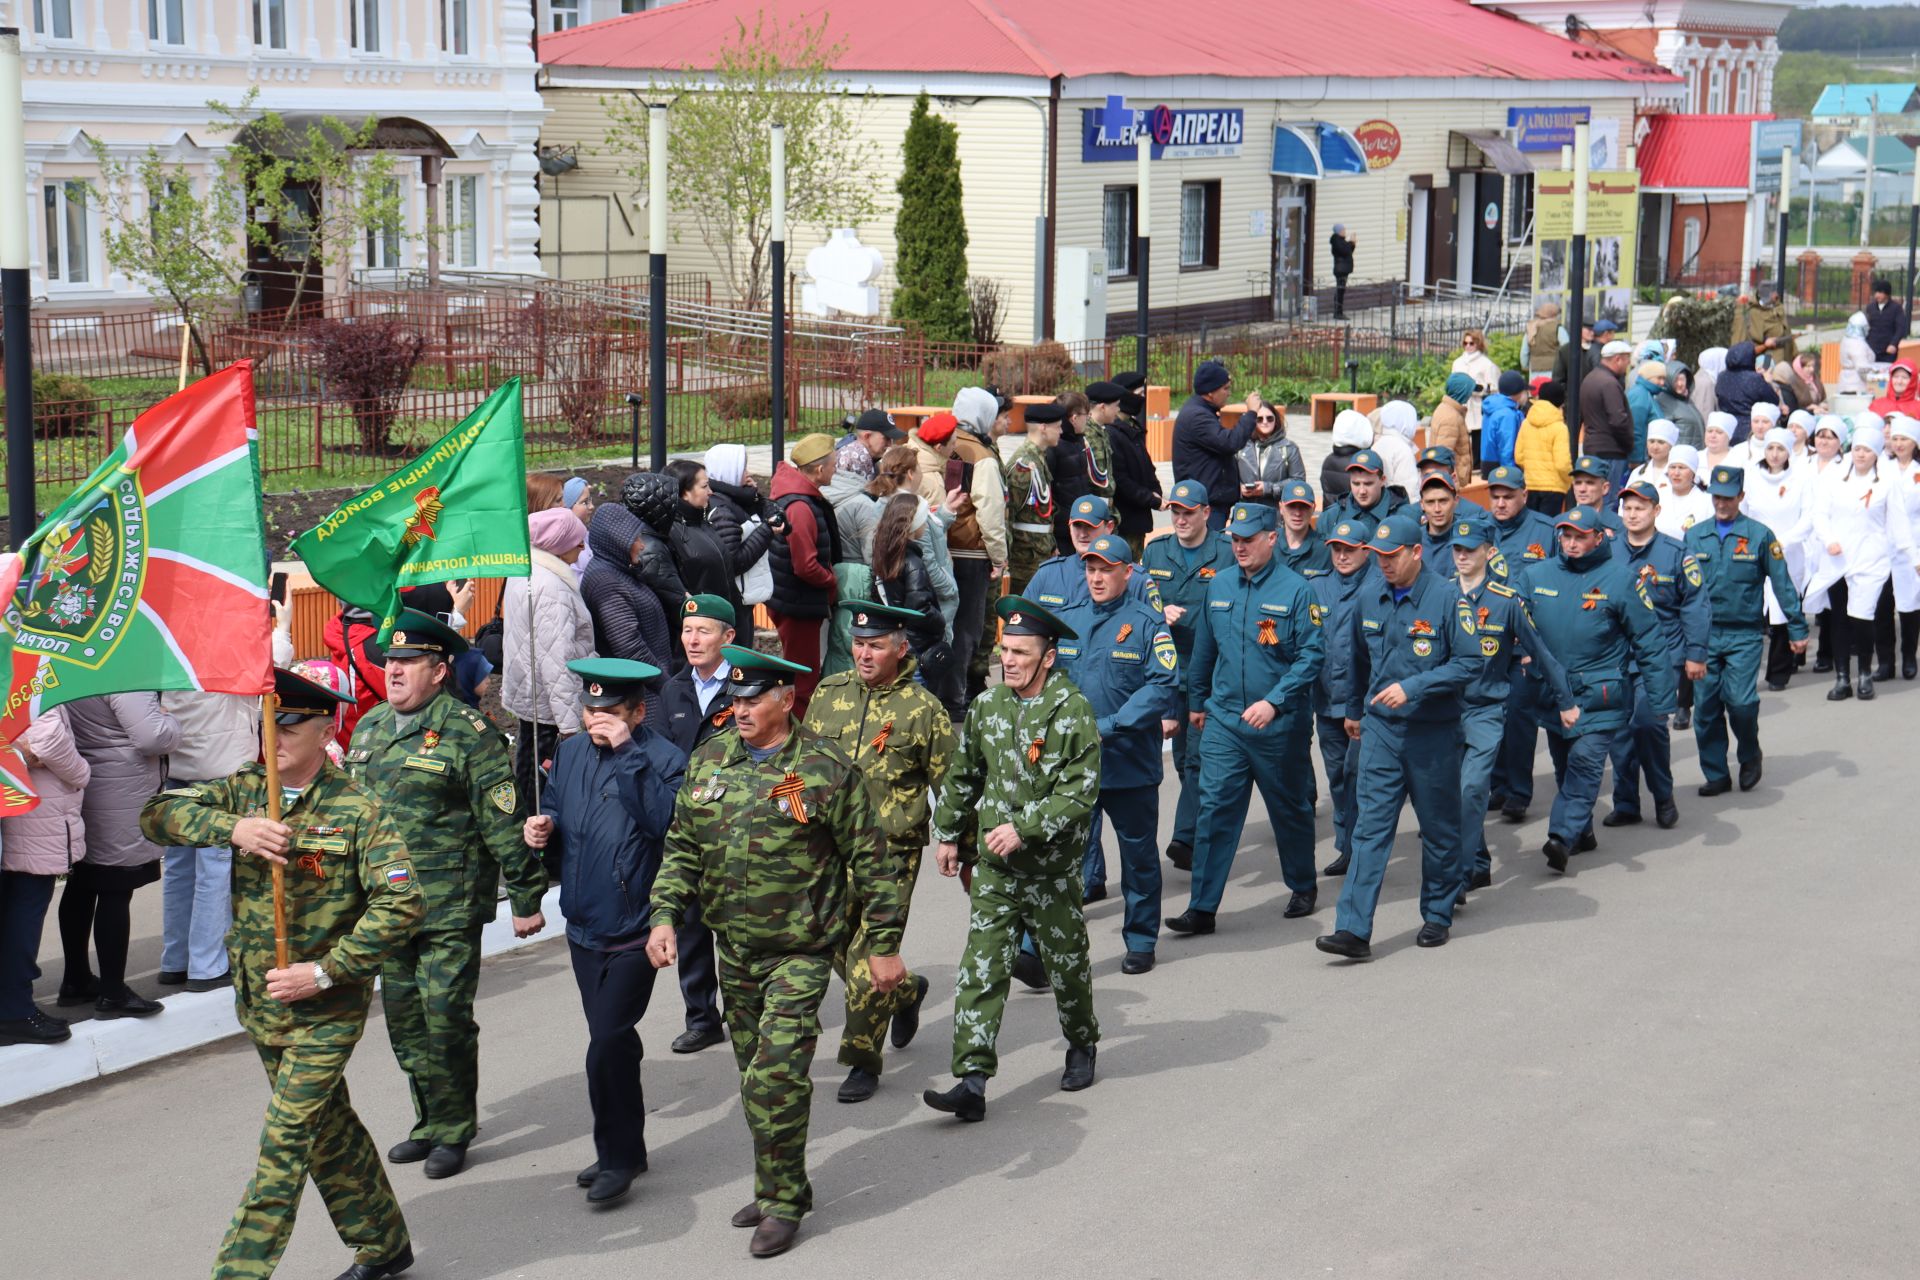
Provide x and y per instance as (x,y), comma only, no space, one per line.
(459,510)
(153,574)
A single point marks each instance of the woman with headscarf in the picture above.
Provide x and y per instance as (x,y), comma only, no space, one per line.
(1858,527)
(1766,417)
(1856,356)
(1544,337)
(1474,361)
(1903,391)
(546,627)
(1706,374)
(1675,404)
(1799,378)
(1777,496)
(1903,459)
(1662,436)
(737,512)
(1351,434)
(1454,421)
(1719,450)
(1684,503)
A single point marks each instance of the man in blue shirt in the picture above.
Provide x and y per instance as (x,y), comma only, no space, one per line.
(1299,547)
(1336,592)
(1059,583)
(1256,655)
(1409,650)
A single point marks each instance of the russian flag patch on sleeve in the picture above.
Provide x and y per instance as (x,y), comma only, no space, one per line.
(399,875)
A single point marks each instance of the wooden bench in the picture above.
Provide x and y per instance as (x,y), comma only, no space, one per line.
(1328,404)
(909,417)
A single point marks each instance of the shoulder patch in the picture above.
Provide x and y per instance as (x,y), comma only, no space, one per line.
(1502,589)
(1690,569)
(1773,549)
(1163,651)
(505,796)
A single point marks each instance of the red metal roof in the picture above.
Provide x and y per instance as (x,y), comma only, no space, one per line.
(1696,153)
(1386,39)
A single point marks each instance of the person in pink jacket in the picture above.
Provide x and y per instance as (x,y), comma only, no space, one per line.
(35,848)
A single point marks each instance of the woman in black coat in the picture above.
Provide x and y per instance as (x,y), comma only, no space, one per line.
(628,619)
(653,497)
(734,501)
(1136,484)
(900,579)
(698,552)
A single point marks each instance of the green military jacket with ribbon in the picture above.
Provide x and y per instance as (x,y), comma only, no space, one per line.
(899,736)
(447,782)
(771,850)
(1035,764)
(1029,511)
(352,898)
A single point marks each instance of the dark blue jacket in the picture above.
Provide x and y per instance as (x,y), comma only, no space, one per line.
(1524,540)
(1426,644)
(610,812)
(1740,386)
(1347,509)
(1598,621)
(1125,664)
(1310,559)
(1335,595)
(1260,640)
(1203,450)
(1060,583)
(1670,575)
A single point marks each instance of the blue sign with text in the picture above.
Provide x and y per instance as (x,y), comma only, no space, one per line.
(1112,132)
(1546,128)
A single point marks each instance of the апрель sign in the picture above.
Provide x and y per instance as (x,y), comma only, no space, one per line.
(1176,133)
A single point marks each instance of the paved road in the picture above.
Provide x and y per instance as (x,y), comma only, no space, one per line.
(1692,1057)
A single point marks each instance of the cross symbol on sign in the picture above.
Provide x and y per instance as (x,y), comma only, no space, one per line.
(1116,118)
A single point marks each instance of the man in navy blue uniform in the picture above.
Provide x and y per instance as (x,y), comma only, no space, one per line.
(1353,568)
(1522,538)
(1300,547)
(1060,584)
(1368,499)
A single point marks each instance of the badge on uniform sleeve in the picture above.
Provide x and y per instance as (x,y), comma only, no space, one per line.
(1691,569)
(786,797)
(399,875)
(1163,651)
(504,797)
(1773,549)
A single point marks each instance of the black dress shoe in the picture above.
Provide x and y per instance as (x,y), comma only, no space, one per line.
(1338,867)
(411,1151)
(1432,935)
(695,1041)
(1342,943)
(1180,854)
(1667,814)
(773,1237)
(1865,689)
(1137,962)
(171,977)
(1716,787)
(447,1159)
(748,1215)
(1883,672)
(1095,893)
(1776,686)
(608,1186)
(1480,880)
(376,1270)
(1586,843)
(35,1028)
(585,1177)
(210,984)
(1620,818)
(1079,1072)
(967,1099)
(1909,668)
(1750,773)
(1841,690)
(1496,802)
(1191,922)
(1027,968)
(1823,665)
(1301,904)
(858,1086)
(126,1005)
(1512,814)
(1682,720)
(86,991)
(906,1023)
(1556,850)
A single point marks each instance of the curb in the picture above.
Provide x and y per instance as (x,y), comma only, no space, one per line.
(104,1047)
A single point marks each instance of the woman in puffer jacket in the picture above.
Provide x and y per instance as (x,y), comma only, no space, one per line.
(628,618)
(537,687)
(39,846)
(737,511)
(654,497)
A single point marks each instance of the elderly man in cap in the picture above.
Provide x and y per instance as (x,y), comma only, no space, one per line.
(352,900)
(1606,420)
(1409,650)
(1182,569)
(1598,620)
(1125,662)
(1203,449)
(1060,583)
(603,817)
(1030,496)
(1256,655)
(1738,557)
(774,834)
(445,777)
(866,438)
(900,738)
(1028,770)
(802,558)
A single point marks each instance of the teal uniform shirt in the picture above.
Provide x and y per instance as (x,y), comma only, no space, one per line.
(1183,577)
(1125,663)
(1736,567)
(1060,584)
(1260,640)
(1424,640)
(1347,509)
(1671,577)
(1506,634)
(1597,619)
(1310,559)
(1525,540)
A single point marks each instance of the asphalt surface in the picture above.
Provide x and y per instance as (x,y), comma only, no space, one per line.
(1692,1056)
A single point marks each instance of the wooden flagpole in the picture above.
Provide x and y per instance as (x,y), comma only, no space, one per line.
(186,340)
(270,753)
(533,677)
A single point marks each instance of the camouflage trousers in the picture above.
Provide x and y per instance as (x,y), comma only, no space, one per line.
(869,1013)
(311,1130)
(772,1009)
(428,987)
(1004,907)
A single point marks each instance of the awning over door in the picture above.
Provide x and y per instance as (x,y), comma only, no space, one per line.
(1500,153)
(1316,149)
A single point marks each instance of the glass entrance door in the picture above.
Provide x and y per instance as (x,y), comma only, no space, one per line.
(1290,200)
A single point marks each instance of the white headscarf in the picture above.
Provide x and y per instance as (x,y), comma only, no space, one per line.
(1685,455)
(1713,361)
(727,463)
(1350,427)
(1398,415)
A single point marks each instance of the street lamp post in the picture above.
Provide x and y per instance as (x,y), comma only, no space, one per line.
(1142,249)
(1577,285)
(1913,238)
(778,346)
(1780,233)
(657,283)
(16,294)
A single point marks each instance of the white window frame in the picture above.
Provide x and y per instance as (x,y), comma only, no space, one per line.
(1194,219)
(1717,90)
(160,25)
(463,220)
(1743,92)
(565,15)
(1691,231)
(262,13)
(1121,202)
(385,249)
(57,196)
(44,13)
(367,27)
(456,20)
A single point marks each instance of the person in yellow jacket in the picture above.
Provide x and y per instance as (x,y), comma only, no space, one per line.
(1543,451)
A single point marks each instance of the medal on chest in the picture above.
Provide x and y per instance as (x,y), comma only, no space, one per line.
(430,739)
(879,742)
(786,796)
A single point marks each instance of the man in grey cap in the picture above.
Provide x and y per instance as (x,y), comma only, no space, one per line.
(1606,423)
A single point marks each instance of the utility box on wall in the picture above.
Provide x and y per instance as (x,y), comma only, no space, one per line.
(1080,295)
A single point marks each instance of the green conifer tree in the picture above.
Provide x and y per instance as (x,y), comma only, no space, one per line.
(931,232)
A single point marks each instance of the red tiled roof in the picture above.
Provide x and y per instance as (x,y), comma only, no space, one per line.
(1384,39)
(1696,153)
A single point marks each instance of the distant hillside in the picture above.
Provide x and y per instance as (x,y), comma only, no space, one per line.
(1847,28)
(1799,78)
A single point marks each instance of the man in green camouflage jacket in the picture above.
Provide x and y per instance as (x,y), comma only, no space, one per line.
(446,779)
(351,902)
(774,835)
(1029,763)
(899,736)
(1030,496)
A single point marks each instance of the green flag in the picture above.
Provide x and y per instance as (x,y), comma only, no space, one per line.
(459,510)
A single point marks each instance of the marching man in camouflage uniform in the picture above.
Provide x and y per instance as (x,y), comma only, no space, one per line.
(774,835)
(351,903)
(447,780)
(1030,496)
(899,736)
(1029,764)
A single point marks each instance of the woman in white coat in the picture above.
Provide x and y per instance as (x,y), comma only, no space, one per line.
(1662,436)
(1858,529)
(1776,496)
(1903,454)
(1685,503)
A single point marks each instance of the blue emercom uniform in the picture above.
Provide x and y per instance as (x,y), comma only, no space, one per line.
(1522,542)
(1671,578)
(1061,584)
(1422,638)
(1737,559)
(1339,755)
(1310,559)
(1182,576)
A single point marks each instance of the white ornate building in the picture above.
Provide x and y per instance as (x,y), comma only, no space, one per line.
(134,73)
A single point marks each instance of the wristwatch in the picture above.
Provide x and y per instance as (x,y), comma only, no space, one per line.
(320,978)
